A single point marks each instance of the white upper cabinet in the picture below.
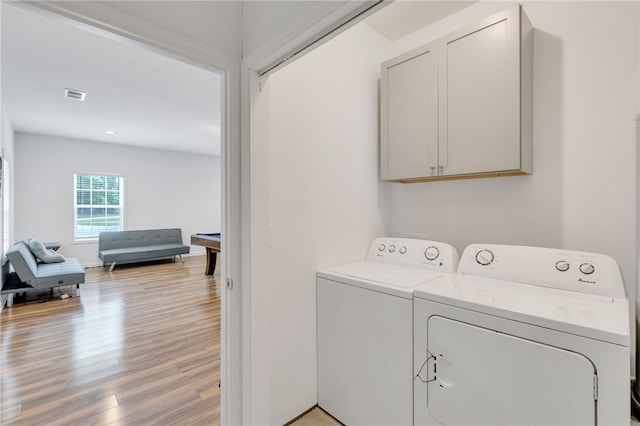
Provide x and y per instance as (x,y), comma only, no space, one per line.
(410,122)
(460,106)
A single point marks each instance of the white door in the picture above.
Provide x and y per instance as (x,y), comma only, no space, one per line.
(483,377)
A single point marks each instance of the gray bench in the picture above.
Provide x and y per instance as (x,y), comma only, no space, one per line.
(140,245)
(30,275)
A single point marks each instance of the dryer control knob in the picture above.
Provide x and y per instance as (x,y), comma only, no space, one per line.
(381,247)
(562,265)
(484,257)
(587,268)
(403,250)
(392,248)
(431,253)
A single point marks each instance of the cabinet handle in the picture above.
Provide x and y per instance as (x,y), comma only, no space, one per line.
(433,170)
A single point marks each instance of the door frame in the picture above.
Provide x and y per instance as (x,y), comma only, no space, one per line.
(233,170)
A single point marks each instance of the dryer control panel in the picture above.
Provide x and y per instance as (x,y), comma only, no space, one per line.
(432,255)
(560,269)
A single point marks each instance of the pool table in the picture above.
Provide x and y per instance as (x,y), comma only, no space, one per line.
(211,243)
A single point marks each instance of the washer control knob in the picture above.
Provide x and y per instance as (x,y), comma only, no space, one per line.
(403,250)
(485,257)
(431,253)
(562,265)
(587,268)
(392,248)
(381,247)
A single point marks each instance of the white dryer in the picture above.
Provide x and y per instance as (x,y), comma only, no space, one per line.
(523,336)
(365,330)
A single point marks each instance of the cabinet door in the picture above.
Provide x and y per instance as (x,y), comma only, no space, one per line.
(480,97)
(409,115)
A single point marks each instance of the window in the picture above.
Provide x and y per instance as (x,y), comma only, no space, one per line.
(98,205)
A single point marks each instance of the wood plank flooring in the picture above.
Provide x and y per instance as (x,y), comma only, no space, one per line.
(139,346)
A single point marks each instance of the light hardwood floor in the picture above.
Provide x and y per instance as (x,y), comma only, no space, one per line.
(315,417)
(139,346)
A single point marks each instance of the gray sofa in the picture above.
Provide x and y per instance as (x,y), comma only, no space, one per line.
(31,275)
(140,245)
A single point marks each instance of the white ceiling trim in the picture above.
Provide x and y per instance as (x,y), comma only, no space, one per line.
(307,42)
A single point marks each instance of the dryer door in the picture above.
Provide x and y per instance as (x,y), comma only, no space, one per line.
(482,377)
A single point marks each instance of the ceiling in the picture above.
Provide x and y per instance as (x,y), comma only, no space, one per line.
(403,17)
(147,99)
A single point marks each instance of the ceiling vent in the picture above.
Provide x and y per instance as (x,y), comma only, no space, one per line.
(74,94)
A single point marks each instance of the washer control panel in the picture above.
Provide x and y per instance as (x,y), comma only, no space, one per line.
(432,255)
(555,268)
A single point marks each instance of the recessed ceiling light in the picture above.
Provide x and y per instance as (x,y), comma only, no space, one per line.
(110,132)
(74,94)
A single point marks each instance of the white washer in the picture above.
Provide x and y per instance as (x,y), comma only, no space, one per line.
(365,330)
(523,336)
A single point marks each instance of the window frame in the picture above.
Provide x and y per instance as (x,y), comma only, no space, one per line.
(121,177)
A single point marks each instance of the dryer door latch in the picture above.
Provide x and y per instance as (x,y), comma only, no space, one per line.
(424,364)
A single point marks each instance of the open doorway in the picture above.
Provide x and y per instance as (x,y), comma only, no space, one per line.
(152,179)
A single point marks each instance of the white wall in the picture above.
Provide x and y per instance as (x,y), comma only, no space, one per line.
(163,189)
(325,203)
(582,193)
